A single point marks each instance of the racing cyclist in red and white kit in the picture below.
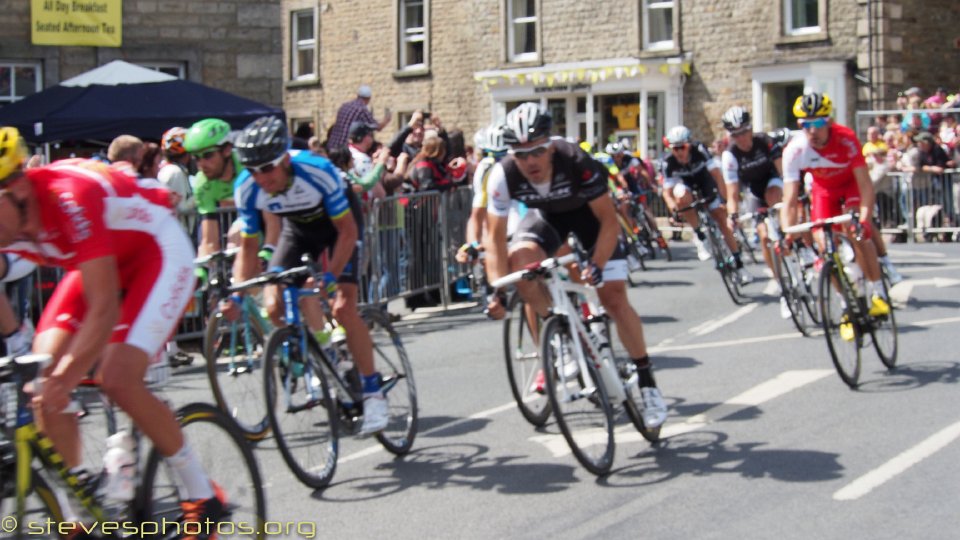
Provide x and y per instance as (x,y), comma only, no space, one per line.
(129,277)
(832,155)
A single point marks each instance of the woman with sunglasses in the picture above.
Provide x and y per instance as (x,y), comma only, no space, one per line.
(832,155)
(566,191)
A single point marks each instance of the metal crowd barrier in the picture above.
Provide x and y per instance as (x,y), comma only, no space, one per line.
(920,206)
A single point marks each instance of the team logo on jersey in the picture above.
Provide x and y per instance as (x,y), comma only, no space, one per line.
(79,229)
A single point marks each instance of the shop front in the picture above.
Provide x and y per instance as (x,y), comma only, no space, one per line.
(598,101)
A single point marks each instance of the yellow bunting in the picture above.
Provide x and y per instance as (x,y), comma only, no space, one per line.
(686,68)
(581,73)
(550,80)
(664,69)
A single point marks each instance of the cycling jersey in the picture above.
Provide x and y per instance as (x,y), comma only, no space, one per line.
(89,210)
(831,169)
(755,168)
(16,268)
(693,174)
(209,193)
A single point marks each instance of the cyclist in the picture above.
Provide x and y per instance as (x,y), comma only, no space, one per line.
(320,214)
(126,286)
(638,177)
(690,166)
(832,155)
(210,143)
(566,191)
(17,335)
(755,160)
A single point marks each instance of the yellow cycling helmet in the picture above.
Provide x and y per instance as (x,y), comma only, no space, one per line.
(812,105)
(13,152)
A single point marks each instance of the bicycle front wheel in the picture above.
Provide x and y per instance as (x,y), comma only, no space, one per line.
(228,461)
(521,350)
(233,351)
(302,416)
(839,323)
(791,288)
(883,330)
(745,245)
(725,265)
(398,385)
(579,399)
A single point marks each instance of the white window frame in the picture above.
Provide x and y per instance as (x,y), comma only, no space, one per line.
(415,34)
(298,72)
(658,5)
(512,21)
(166,67)
(12,65)
(788,27)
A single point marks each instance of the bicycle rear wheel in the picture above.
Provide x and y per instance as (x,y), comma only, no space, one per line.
(745,245)
(302,416)
(725,265)
(233,351)
(227,459)
(839,322)
(579,400)
(791,284)
(522,354)
(398,385)
(883,330)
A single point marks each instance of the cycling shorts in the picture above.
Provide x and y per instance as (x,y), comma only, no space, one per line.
(16,268)
(827,203)
(760,191)
(533,228)
(679,190)
(314,238)
(155,288)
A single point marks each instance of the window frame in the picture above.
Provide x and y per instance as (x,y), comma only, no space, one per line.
(509,24)
(405,36)
(788,27)
(664,45)
(297,45)
(166,67)
(785,35)
(11,97)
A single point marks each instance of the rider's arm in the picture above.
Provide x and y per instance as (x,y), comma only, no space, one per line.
(347,235)
(495,234)
(731,176)
(209,235)
(246,265)
(867,196)
(475,225)
(273,224)
(101,292)
(792,176)
(606,213)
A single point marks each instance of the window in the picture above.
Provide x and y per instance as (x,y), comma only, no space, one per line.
(177,69)
(522,30)
(658,24)
(413,34)
(303,45)
(778,101)
(18,80)
(801,17)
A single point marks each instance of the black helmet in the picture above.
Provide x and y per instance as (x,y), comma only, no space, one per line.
(526,123)
(262,141)
(736,118)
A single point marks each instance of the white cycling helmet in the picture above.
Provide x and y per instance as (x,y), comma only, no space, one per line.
(678,135)
(525,123)
(735,119)
(490,138)
(614,148)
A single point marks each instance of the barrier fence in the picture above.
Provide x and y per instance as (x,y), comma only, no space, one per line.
(920,206)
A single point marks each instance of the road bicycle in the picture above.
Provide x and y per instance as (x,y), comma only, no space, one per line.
(633,248)
(234,349)
(845,308)
(583,380)
(33,474)
(313,392)
(722,256)
(521,339)
(646,229)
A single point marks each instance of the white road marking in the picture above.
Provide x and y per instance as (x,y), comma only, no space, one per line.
(726,343)
(909,253)
(927,269)
(716,324)
(882,474)
(901,291)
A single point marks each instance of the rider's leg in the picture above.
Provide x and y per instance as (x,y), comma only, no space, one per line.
(358,336)
(613,296)
(772,196)
(533,293)
(59,427)
(273,303)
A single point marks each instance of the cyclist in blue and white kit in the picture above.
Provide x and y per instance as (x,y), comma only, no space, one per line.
(320,213)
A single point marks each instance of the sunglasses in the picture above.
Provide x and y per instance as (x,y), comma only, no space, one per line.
(741,131)
(679,147)
(266,167)
(206,155)
(815,123)
(533,151)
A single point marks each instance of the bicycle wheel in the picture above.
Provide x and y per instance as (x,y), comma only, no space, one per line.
(839,322)
(791,284)
(634,402)
(391,360)
(522,354)
(745,245)
(233,351)
(302,416)
(227,459)
(725,265)
(883,330)
(579,400)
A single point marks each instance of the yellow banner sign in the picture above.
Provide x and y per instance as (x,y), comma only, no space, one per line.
(95,23)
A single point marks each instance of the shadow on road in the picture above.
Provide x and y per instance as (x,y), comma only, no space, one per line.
(911,376)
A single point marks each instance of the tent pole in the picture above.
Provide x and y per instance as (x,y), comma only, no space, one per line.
(46,153)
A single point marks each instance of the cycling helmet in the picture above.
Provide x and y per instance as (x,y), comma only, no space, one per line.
(13,152)
(735,119)
(490,139)
(812,105)
(614,148)
(780,136)
(206,133)
(262,141)
(172,141)
(678,135)
(526,123)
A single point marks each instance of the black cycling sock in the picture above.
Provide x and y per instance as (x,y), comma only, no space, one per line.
(736,259)
(645,371)
(700,235)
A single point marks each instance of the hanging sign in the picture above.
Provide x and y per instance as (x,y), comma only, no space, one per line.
(94,23)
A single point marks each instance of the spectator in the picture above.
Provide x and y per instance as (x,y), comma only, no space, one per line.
(948,132)
(410,138)
(126,152)
(937,99)
(174,173)
(314,145)
(357,110)
(430,172)
(150,161)
(301,138)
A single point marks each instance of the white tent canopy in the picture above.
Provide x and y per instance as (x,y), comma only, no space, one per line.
(118,72)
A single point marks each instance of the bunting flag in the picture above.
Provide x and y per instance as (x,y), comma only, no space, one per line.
(581,74)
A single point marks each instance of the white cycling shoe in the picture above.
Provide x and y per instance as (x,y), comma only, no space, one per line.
(654,411)
(375,414)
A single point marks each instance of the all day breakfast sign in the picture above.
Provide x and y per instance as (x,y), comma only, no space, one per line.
(94,23)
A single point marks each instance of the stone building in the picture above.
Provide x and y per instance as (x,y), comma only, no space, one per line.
(611,68)
(233,45)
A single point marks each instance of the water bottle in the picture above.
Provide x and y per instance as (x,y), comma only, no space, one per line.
(119,470)
(855,275)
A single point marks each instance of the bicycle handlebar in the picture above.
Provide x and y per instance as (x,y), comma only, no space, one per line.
(819,224)
(225,254)
(540,269)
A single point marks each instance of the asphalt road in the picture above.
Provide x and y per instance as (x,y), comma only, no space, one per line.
(763,439)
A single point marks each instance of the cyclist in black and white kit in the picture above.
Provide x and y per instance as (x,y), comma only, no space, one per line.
(753,160)
(691,167)
(566,191)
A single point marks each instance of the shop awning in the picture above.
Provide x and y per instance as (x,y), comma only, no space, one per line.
(587,72)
